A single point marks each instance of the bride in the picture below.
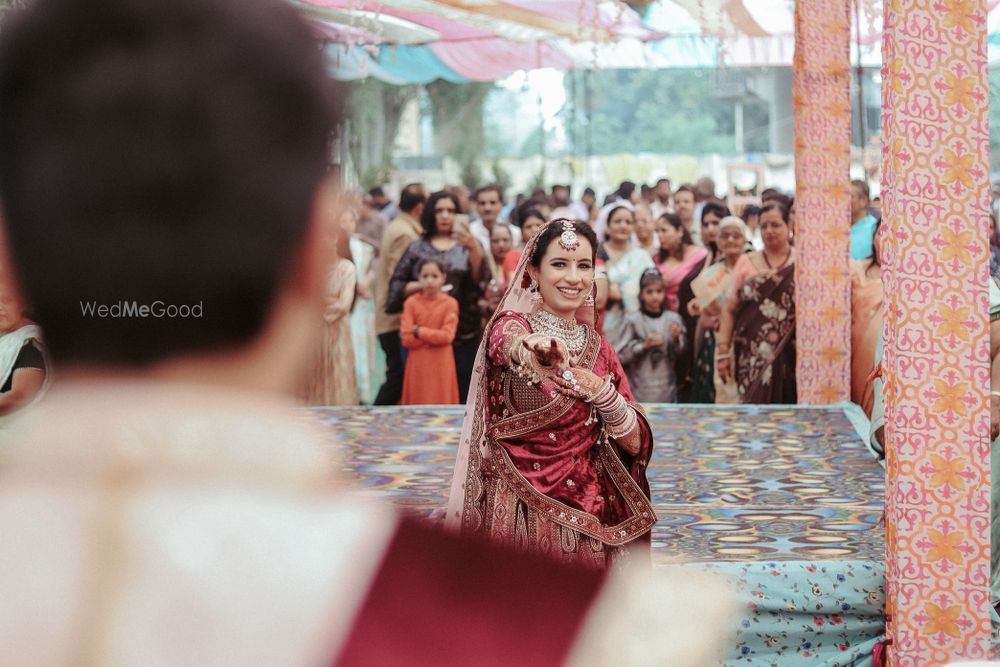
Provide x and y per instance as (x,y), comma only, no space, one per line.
(554,449)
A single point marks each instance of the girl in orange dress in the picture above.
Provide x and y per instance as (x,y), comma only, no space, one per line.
(427,328)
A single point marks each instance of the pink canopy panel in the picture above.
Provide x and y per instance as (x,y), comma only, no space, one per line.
(515,20)
(495,58)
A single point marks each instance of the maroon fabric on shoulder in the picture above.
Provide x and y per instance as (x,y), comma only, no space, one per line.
(439,599)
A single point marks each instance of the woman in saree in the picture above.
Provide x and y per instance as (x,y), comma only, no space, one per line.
(678,256)
(554,450)
(679,261)
(867,296)
(624,262)
(755,346)
(710,289)
(332,380)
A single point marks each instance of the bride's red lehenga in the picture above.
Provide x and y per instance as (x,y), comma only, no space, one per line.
(536,469)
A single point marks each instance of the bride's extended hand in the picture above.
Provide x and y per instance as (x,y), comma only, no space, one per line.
(550,355)
(578,383)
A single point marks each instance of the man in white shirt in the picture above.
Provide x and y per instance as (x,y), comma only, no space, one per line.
(489,203)
(661,203)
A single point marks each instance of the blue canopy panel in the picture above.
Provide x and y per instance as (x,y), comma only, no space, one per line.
(417,64)
(397,65)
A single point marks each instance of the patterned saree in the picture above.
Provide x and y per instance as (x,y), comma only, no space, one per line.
(764,338)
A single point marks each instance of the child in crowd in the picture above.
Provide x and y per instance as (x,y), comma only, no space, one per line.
(427,328)
(650,342)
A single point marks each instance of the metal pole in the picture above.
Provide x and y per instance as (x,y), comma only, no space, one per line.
(739,127)
(588,100)
(860,74)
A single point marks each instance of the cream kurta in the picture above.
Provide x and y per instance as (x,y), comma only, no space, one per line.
(333,381)
(179,526)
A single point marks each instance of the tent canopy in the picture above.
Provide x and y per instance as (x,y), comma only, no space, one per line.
(417,41)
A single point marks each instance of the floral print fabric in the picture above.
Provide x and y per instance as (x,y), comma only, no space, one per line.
(828,613)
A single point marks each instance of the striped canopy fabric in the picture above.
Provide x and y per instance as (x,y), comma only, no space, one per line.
(417,41)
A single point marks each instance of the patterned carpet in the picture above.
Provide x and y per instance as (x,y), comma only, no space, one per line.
(730,483)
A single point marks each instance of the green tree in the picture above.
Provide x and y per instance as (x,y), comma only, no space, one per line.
(375,111)
(457,114)
(651,110)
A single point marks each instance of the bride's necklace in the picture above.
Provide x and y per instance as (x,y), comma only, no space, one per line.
(571,333)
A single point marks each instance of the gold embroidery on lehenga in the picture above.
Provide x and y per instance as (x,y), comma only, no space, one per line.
(518,513)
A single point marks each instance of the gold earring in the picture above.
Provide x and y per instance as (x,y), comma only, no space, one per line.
(536,294)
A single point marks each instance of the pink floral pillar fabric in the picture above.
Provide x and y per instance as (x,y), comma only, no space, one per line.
(821,87)
(936,364)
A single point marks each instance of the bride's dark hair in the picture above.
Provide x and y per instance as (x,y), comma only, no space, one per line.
(553,230)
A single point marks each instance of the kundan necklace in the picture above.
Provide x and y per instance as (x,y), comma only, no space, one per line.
(571,333)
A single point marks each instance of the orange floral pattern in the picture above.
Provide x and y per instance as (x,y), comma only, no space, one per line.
(821,89)
(935,204)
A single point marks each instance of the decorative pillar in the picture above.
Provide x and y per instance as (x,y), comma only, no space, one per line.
(821,86)
(936,365)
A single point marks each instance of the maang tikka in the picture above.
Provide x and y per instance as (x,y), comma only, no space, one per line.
(568,240)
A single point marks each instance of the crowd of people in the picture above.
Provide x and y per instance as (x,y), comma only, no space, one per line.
(697,300)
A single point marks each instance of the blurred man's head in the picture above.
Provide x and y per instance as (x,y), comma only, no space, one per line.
(705,189)
(627,190)
(378,198)
(662,191)
(412,200)
(560,195)
(489,203)
(684,204)
(170,155)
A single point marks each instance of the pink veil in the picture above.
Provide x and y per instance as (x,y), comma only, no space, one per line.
(466,485)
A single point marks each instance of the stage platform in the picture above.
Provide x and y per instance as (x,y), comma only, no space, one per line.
(785,500)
